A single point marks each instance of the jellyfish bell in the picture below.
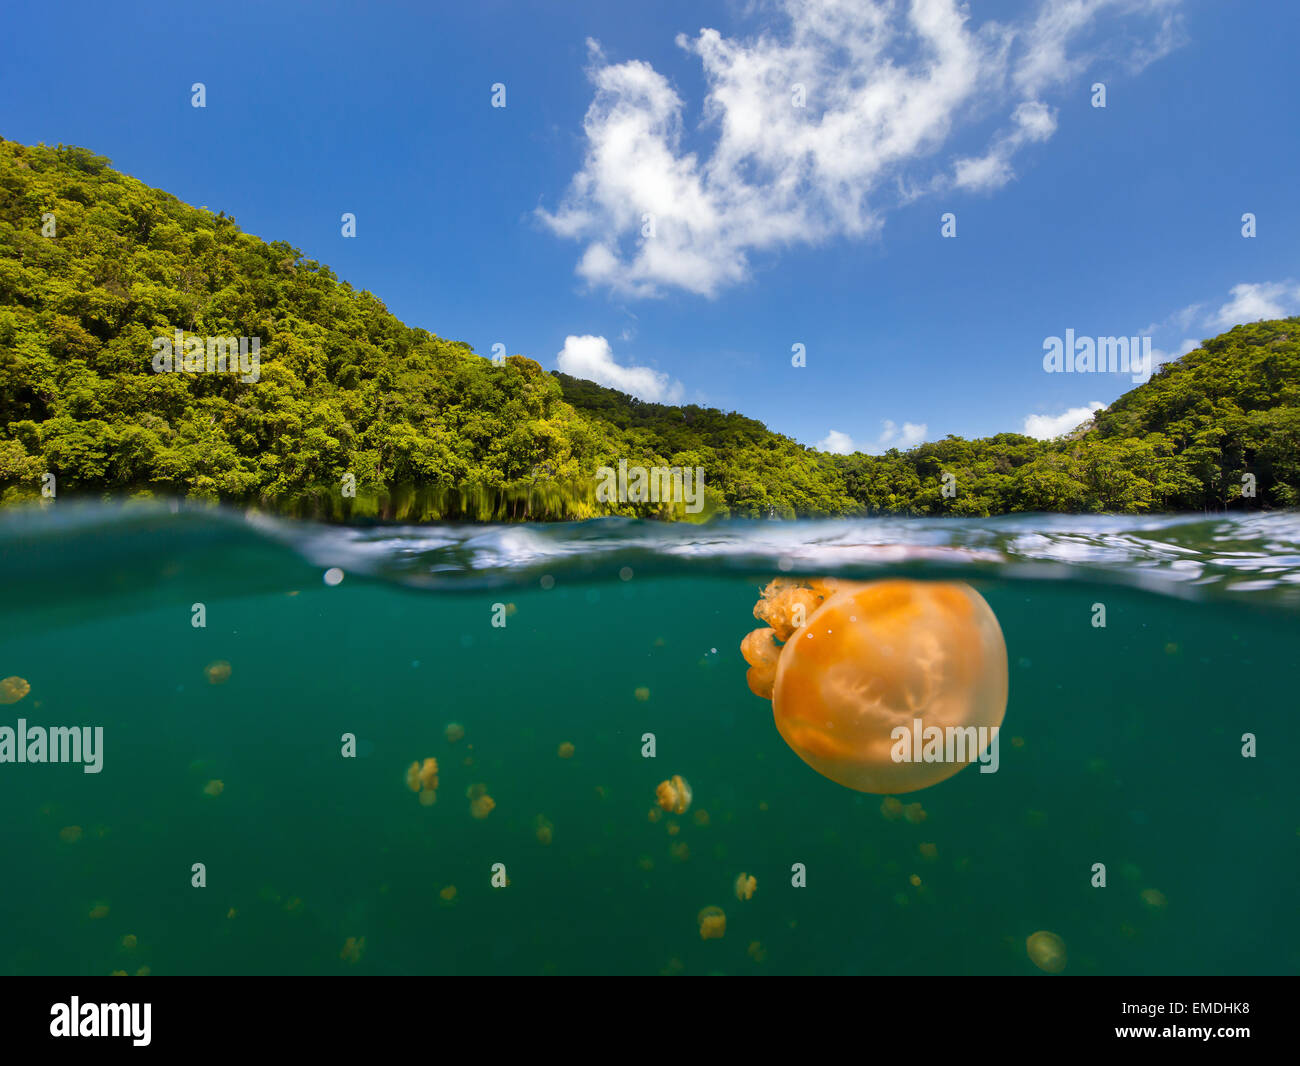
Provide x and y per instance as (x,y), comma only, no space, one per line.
(13,689)
(674,795)
(867,671)
(713,923)
(1046,951)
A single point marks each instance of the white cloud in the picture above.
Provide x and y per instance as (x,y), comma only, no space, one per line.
(888,86)
(591,358)
(1048,427)
(912,434)
(1250,303)
(837,443)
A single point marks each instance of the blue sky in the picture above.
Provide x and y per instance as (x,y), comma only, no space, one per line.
(774,224)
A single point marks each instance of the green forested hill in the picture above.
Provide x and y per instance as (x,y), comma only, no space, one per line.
(95,265)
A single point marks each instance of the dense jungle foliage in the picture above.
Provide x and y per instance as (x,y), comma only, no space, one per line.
(95,265)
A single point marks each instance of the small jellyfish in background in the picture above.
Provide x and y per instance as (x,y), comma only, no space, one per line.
(422,779)
(1154,898)
(545,829)
(12,689)
(845,663)
(454,732)
(130,942)
(1046,951)
(448,894)
(352,949)
(214,787)
(745,885)
(680,851)
(565,750)
(481,806)
(217,673)
(756,951)
(70,834)
(891,808)
(674,795)
(656,813)
(98,911)
(713,923)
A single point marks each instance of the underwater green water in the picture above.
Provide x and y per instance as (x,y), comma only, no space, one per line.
(1129,754)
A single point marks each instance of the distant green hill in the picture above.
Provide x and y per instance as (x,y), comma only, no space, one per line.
(95,267)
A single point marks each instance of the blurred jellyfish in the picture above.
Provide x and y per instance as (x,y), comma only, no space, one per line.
(1046,951)
(422,778)
(655,814)
(915,813)
(856,660)
(674,795)
(144,971)
(930,852)
(1154,898)
(642,694)
(70,834)
(448,893)
(756,951)
(701,818)
(565,750)
(745,885)
(645,863)
(98,911)
(680,851)
(352,949)
(481,806)
(218,673)
(673,828)
(130,942)
(545,830)
(713,923)
(119,973)
(454,732)
(891,808)
(214,787)
(12,689)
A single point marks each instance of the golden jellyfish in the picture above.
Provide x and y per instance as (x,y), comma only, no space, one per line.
(713,923)
(642,694)
(565,750)
(214,787)
(1154,898)
(119,973)
(130,942)
(655,814)
(454,732)
(448,894)
(352,949)
(545,829)
(756,951)
(12,689)
(878,685)
(144,971)
(1046,951)
(673,828)
(929,852)
(914,813)
(481,806)
(70,834)
(891,808)
(217,673)
(674,795)
(422,778)
(701,818)
(98,911)
(745,885)
(680,851)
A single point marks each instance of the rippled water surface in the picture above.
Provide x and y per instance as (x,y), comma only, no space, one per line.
(1121,745)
